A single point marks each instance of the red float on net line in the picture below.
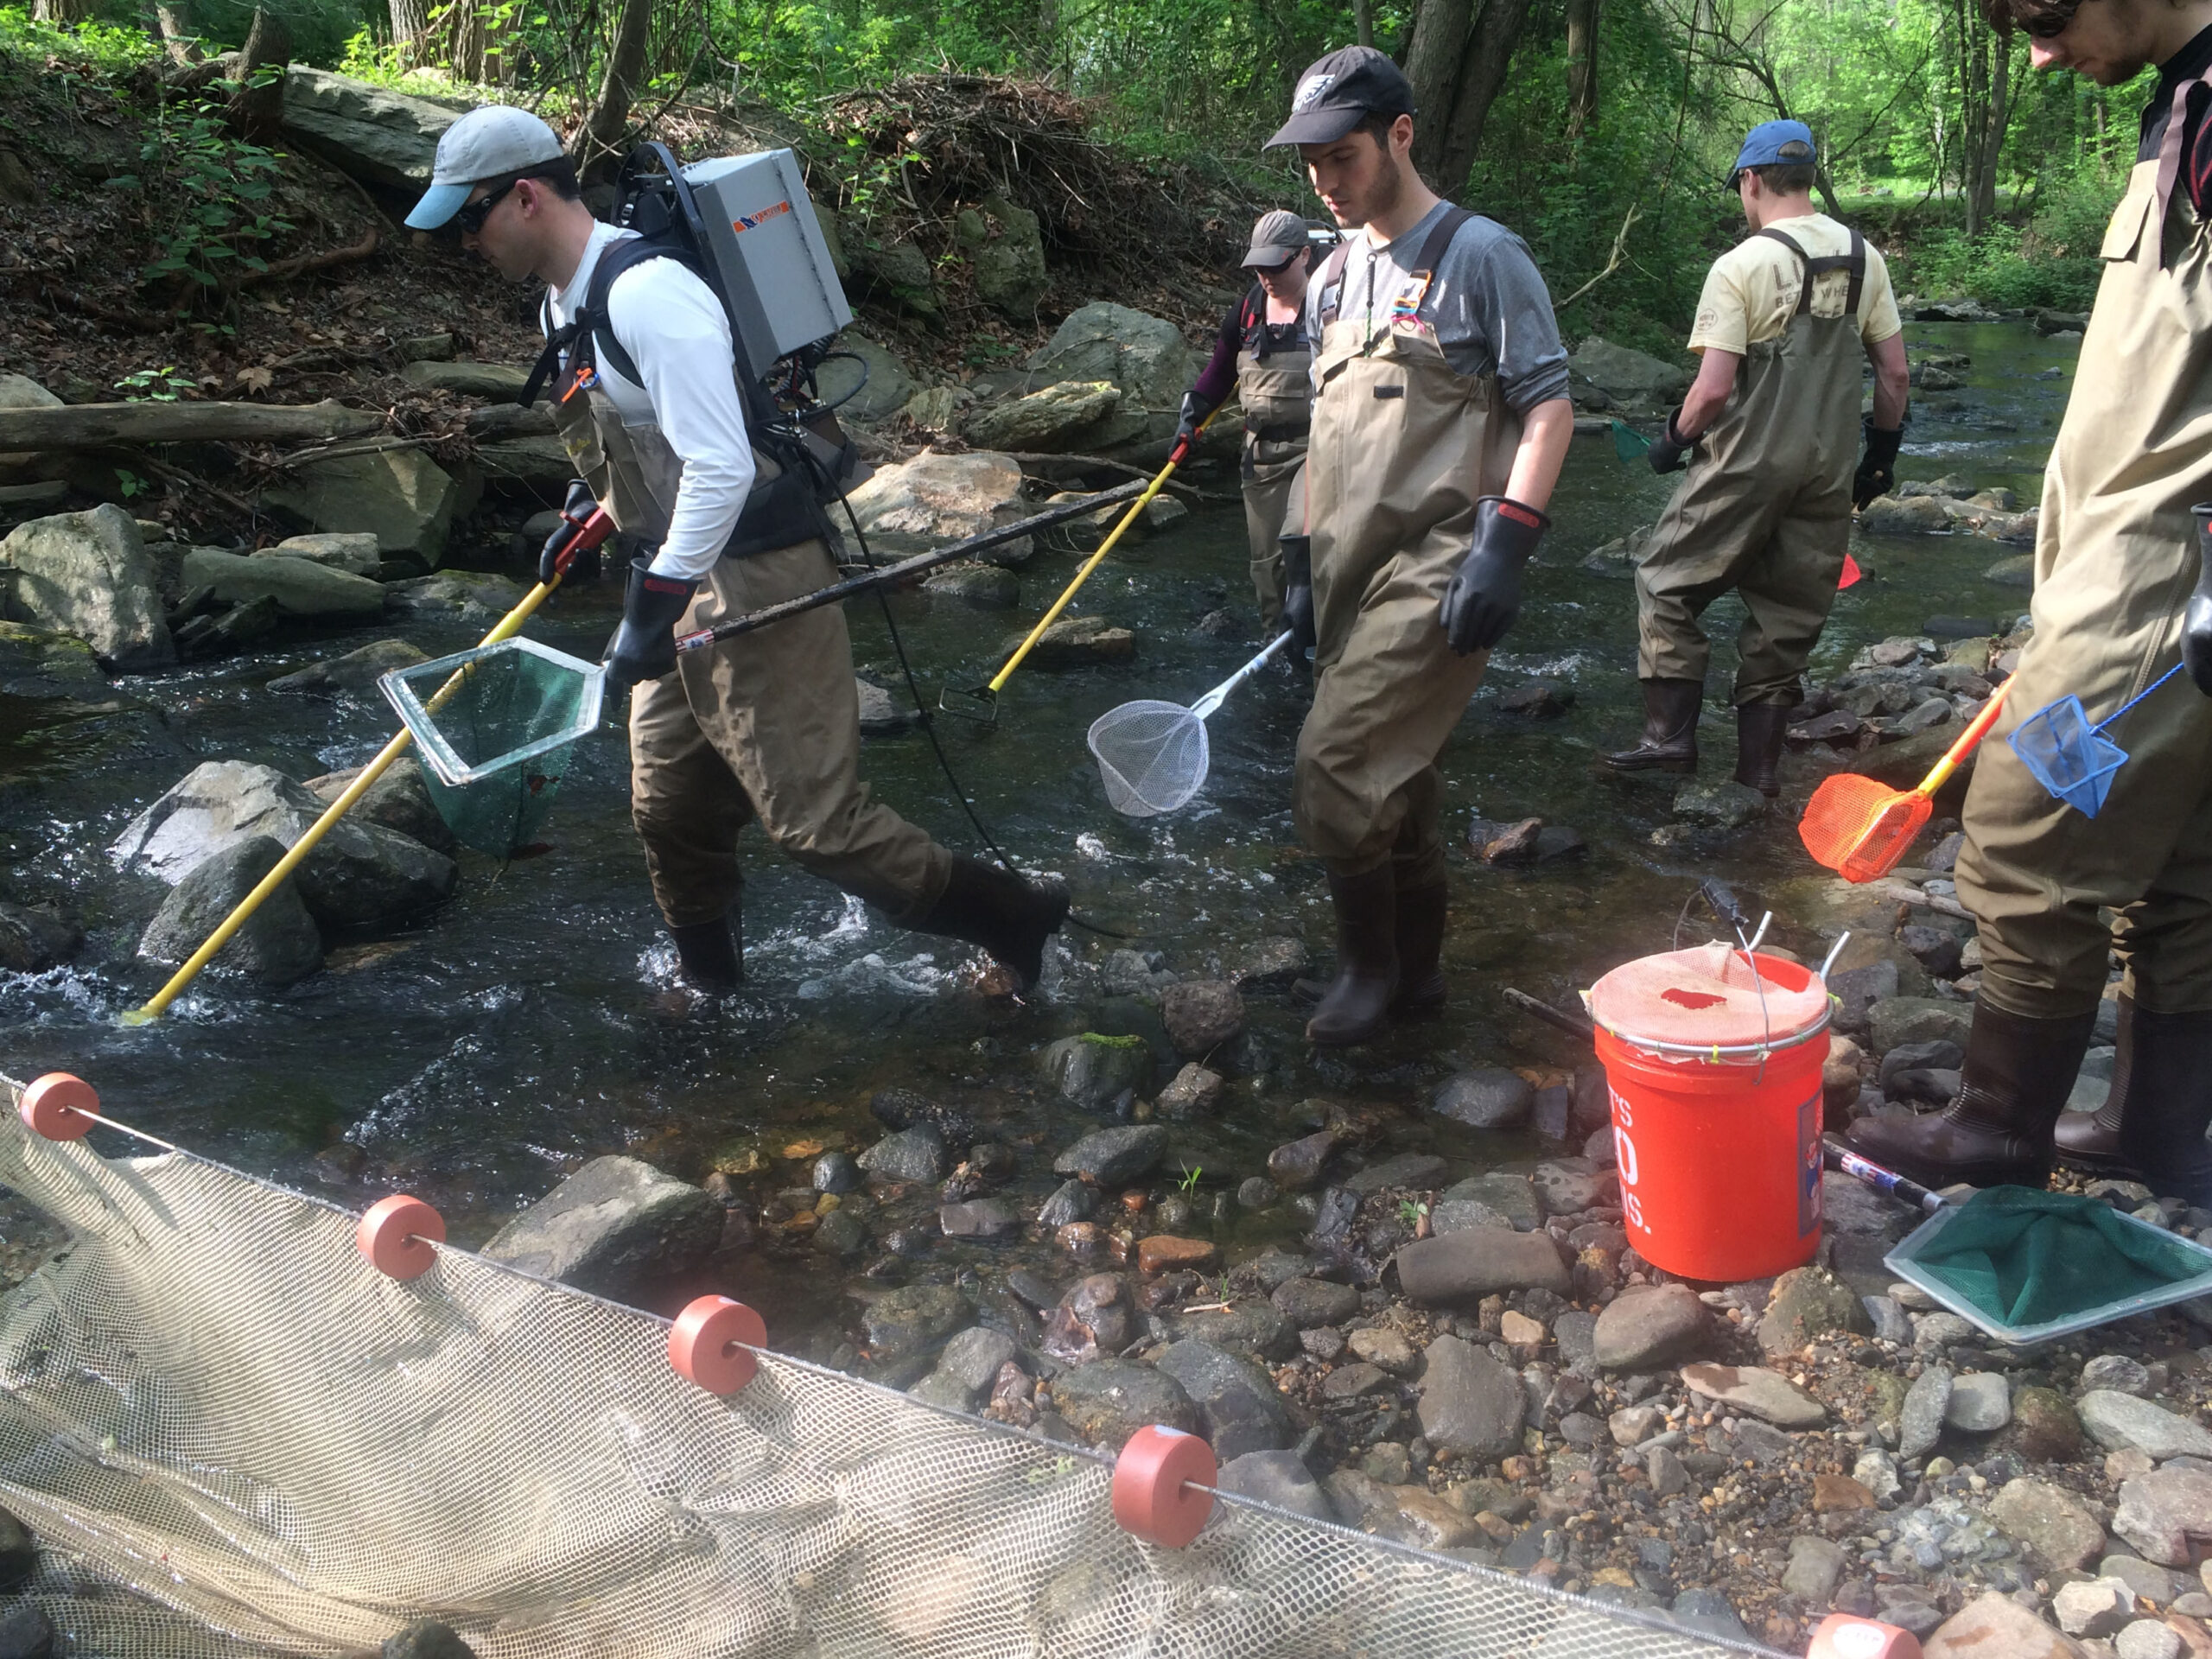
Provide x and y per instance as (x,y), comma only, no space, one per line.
(1842,1636)
(712,1341)
(55,1106)
(1155,1482)
(396,1235)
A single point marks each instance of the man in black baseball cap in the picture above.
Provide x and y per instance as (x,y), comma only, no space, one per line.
(1439,420)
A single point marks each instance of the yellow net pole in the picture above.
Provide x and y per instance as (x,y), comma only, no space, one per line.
(156,1005)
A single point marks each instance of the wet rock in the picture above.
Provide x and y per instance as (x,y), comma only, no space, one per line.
(2148,1638)
(1410,1515)
(1505,845)
(1074,642)
(1194,1092)
(888,388)
(2055,1526)
(1164,1253)
(1889,515)
(1108,1400)
(1709,1611)
(839,1233)
(1758,1392)
(1256,1193)
(1458,1215)
(2120,1421)
(979,587)
(1069,1201)
(1980,1402)
(86,574)
(1933,949)
(1900,1019)
(1665,1472)
(279,942)
(1646,1326)
(1459,1269)
(2116,1373)
(1889,1320)
(1244,1327)
(357,670)
(1276,1477)
(1099,1073)
(1271,965)
(1920,1423)
(1414,1170)
(916,1154)
(2045,1428)
(1354,1380)
(1568,1187)
(835,1172)
(453,596)
(1296,1165)
(1816,1568)
(1539,699)
(33,939)
(902,1108)
(1492,1098)
(402,497)
(26,1632)
(1726,805)
(2017,571)
(2098,1607)
(1117,1156)
(2145,1582)
(976,1218)
(1511,1196)
(1201,1015)
(618,1227)
(1239,1410)
(974,1357)
(2161,1512)
(400,801)
(1470,1406)
(1858,989)
(425,1640)
(1840,1495)
(1808,1303)
(1309,1302)
(18,1547)
(904,1324)
(1993,1624)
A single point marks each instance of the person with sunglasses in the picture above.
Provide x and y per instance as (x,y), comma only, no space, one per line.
(765,727)
(1262,353)
(2121,572)
(1768,432)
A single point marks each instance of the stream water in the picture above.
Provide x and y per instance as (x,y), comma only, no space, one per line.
(534,1021)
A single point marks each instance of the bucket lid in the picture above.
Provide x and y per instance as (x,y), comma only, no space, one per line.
(1708,997)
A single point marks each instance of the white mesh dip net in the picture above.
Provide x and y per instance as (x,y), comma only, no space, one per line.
(233,1436)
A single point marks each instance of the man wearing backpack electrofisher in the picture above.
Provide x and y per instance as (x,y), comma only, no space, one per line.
(1441,417)
(1261,354)
(766,727)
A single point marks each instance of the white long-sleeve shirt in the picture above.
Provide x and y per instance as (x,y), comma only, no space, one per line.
(675,330)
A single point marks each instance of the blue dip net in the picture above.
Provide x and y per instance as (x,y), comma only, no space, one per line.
(2069,757)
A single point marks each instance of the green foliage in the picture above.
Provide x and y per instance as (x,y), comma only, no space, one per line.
(162,385)
(93,46)
(216,190)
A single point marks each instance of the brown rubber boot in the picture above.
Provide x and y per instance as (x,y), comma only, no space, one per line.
(1669,741)
(1759,730)
(1008,915)
(1357,1000)
(2090,1141)
(1421,948)
(710,955)
(1998,1133)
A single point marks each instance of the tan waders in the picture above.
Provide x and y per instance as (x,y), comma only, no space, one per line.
(1274,388)
(2115,562)
(1764,509)
(1403,445)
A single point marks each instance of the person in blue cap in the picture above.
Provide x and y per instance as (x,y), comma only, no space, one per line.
(1768,432)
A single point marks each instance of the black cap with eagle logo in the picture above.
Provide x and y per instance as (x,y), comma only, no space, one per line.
(1336,93)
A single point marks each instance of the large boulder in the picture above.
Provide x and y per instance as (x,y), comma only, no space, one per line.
(402,497)
(87,574)
(614,1228)
(299,587)
(359,873)
(531,462)
(279,942)
(888,383)
(398,800)
(355,552)
(1052,417)
(456,596)
(379,136)
(937,498)
(1006,253)
(1145,356)
(21,392)
(1625,373)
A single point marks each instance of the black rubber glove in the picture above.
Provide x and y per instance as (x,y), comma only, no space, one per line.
(1670,449)
(574,513)
(1878,469)
(644,647)
(2196,615)
(1298,590)
(1195,409)
(1484,595)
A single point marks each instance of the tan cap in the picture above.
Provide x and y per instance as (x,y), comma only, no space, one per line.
(1275,238)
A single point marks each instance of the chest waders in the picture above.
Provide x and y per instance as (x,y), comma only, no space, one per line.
(2115,562)
(1274,388)
(1403,447)
(1764,509)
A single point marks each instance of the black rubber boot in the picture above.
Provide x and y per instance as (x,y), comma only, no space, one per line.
(1357,1000)
(1998,1133)
(1759,730)
(2090,1141)
(2167,1101)
(708,956)
(1669,741)
(1008,915)
(1421,948)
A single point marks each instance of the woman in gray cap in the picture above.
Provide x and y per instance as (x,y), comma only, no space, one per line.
(1261,351)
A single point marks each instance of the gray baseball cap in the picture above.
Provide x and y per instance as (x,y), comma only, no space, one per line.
(1278,238)
(490,143)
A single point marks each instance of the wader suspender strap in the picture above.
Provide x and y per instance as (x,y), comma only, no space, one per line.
(1854,262)
(1433,249)
(1252,320)
(2170,151)
(591,324)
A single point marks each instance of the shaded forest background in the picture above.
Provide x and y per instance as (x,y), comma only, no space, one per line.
(1601,129)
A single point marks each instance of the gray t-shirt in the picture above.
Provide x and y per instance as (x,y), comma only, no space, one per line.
(1490,310)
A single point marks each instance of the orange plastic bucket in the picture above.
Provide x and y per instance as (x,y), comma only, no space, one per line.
(1719,1149)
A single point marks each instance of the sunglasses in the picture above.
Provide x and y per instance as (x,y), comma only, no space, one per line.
(471,216)
(2048,23)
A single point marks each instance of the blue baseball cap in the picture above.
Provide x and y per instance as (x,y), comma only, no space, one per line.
(1775,144)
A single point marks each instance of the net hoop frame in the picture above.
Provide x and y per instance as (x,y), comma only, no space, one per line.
(419,719)
(1121,712)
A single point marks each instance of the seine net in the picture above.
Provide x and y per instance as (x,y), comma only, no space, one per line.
(496,731)
(234,1436)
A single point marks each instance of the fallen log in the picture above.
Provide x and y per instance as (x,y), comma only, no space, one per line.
(92,426)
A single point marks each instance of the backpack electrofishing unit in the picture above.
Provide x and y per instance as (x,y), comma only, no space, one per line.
(745,225)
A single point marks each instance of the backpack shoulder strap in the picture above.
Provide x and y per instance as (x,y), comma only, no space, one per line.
(1332,279)
(589,335)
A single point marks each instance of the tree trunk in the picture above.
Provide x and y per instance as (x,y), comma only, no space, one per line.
(409,25)
(1363,21)
(1581,66)
(1433,58)
(61,11)
(599,144)
(1482,75)
(92,426)
(1999,118)
(256,108)
(182,48)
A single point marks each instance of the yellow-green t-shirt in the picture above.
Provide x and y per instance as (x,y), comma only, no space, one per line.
(1751,291)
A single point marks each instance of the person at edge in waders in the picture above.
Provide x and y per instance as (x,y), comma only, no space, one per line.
(1772,420)
(766,727)
(1441,417)
(2116,558)
(1261,352)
